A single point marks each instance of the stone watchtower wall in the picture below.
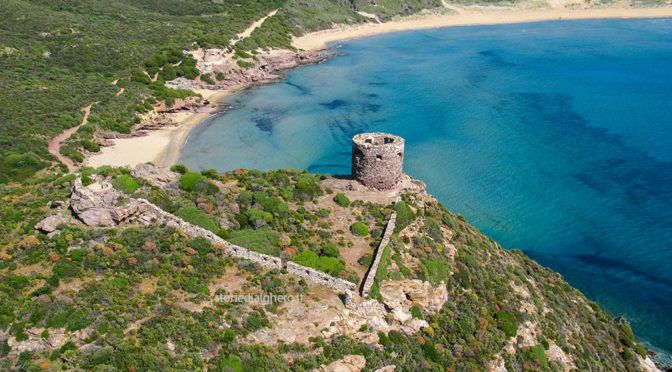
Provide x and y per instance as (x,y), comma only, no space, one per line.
(377,159)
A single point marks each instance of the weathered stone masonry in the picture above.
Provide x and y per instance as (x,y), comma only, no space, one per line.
(377,159)
(371,274)
(319,277)
(194,231)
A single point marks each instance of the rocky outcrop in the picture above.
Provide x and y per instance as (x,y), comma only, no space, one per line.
(413,292)
(50,224)
(265,70)
(93,205)
(161,177)
(349,363)
(647,364)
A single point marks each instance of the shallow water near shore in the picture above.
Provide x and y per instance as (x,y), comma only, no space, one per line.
(552,137)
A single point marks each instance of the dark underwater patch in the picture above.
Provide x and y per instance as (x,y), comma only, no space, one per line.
(264,124)
(332,105)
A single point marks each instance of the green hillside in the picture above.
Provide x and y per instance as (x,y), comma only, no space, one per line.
(140,296)
(60,56)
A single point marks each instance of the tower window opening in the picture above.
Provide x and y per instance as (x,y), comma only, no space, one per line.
(388,140)
(379,157)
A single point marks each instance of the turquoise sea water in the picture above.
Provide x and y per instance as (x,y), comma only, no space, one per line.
(552,137)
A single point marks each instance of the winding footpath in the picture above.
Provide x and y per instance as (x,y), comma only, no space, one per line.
(55,143)
(254,25)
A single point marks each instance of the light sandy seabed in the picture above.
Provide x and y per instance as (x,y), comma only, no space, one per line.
(162,147)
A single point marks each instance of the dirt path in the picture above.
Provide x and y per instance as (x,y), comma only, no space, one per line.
(55,143)
(254,25)
(452,7)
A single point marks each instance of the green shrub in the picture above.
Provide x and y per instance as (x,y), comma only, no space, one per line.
(365,260)
(198,217)
(189,180)
(342,200)
(179,168)
(206,78)
(140,77)
(639,349)
(433,229)
(416,312)
(258,218)
(404,216)
(538,355)
(244,64)
(307,187)
(261,240)
(436,271)
(210,173)
(125,183)
(90,146)
(241,53)
(397,337)
(331,250)
(507,323)
(329,265)
(359,229)
(201,245)
(231,364)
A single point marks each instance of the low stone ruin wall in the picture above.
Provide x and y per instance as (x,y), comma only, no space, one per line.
(146,211)
(319,277)
(371,275)
(194,231)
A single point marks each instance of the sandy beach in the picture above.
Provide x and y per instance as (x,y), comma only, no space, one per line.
(469,16)
(162,147)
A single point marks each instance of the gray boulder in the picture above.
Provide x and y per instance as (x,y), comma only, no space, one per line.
(161,177)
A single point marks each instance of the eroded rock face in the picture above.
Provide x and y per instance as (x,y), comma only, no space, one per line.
(349,363)
(19,347)
(647,364)
(403,294)
(97,206)
(330,318)
(161,177)
(93,205)
(50,224)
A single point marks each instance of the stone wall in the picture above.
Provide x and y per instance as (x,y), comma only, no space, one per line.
(146,212)
(371,274)
(377,159)
(319,277)
(195,231)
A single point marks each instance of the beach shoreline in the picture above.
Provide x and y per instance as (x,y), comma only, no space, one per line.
(162,147)
(470,17)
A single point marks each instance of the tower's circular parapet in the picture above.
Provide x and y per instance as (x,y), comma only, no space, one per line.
(377,159)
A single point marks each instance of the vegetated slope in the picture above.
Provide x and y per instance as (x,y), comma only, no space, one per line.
(141,297)
(60,56)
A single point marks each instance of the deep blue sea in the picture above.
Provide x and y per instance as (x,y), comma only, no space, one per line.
(554,138)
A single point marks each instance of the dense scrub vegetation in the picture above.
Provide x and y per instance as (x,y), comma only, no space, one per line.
(60,56)
(141,297)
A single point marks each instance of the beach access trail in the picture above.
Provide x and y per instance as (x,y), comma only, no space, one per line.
(55,143)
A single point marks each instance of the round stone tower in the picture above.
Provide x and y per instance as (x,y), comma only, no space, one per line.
(377,159)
